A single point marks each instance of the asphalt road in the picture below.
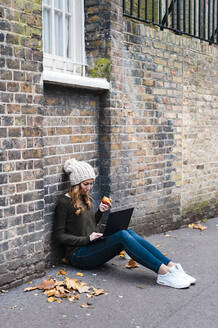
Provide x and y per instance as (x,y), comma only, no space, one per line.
(132,298)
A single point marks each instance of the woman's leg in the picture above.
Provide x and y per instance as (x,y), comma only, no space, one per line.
(152,249)
(101,251)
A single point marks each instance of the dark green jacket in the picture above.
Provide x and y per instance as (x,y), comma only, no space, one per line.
(73,230)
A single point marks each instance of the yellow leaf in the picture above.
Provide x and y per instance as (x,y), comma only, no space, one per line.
(79,274)
(165,254)
(122,254)
(158,245)
(90,295)
(50,292)
(63,272)
(59,301)
(197,226)
(52,299)
(131,264)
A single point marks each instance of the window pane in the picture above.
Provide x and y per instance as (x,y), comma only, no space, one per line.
(67,5)
(67,36)
(78,36)
(47,2)
(58,35)
(46,30)
(58,4)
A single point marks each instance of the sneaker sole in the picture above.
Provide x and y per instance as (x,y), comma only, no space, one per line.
(162,284)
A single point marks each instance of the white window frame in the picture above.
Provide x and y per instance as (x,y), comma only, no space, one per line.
(62,69)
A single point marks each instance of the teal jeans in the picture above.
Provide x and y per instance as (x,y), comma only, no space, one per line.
(101,251)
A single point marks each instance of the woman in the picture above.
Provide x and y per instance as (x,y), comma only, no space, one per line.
(76,229)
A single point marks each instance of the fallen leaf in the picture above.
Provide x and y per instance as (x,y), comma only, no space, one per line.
(45,284)
(197,226)
(122,254)
(59,301)
(77,296)
(158,245)
(50,292)
(201,227)
(79,274)
(63,272)
(98,291)
(72,298)
(86,305)
(28,289)
(204,220)
(52,299)
(165,253)
(131,264)
(70,283)
(167,235)
(83,288)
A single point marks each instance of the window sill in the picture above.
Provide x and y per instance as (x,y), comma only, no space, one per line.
(76,81)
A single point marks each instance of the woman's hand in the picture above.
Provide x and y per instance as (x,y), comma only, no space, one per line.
(95,235)
(103,207)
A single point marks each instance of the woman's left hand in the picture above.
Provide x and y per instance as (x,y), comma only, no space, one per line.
(103,207)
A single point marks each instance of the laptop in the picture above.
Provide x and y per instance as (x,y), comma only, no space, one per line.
(117,221)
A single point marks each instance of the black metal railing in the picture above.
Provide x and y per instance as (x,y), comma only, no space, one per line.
(197,18)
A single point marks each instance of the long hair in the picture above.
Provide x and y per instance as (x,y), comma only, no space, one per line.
(80,202)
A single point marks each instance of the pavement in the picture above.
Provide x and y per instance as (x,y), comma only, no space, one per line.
(132,298)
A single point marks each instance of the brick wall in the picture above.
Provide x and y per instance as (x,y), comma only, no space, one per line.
(200,132)
(70,130)
(21,143)
(152,138)
(164,121)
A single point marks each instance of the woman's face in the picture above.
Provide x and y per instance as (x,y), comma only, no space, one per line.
(85,186)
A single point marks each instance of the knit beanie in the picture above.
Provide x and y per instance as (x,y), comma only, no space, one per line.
(79,171)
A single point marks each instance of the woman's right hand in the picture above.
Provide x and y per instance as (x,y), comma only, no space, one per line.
(95,235)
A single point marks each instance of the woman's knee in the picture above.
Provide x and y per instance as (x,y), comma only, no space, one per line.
(124,234)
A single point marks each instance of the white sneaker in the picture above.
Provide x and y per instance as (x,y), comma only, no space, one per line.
(191,279)
(173,278)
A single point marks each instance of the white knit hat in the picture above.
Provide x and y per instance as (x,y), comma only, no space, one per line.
(79,171)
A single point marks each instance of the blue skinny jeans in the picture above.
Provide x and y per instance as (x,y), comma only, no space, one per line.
(101,251)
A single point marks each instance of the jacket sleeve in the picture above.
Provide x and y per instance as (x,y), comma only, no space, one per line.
(98,216)
(61,212)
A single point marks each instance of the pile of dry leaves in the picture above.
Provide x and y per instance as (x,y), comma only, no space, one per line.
(69,289)
(198,226)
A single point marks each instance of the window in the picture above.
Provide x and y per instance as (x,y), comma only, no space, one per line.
(63,36)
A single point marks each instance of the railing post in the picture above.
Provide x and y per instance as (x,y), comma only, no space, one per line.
(178,17)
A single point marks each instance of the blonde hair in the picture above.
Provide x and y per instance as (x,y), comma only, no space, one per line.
(79,201)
